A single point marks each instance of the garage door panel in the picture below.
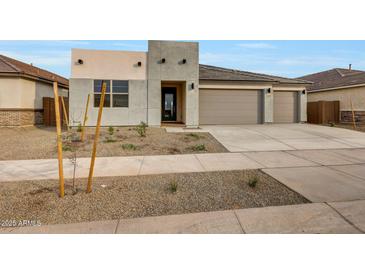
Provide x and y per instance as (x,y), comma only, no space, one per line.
(230,107)
(285,107)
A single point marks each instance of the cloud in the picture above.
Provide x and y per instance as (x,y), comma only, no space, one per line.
(257,46)
(42,58)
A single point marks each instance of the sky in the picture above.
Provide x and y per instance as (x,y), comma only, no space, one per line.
(281,58)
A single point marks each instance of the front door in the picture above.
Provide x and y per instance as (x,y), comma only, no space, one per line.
(168,104)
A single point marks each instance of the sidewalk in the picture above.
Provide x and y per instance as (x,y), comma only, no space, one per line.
(343,217)
(20,170)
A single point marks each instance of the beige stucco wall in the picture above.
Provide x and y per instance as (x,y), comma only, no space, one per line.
(108,64)
(23,93)
(356,94)
(17,93)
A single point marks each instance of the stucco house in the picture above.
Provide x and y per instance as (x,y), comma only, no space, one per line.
(344,85)
(22,88)
(168,85)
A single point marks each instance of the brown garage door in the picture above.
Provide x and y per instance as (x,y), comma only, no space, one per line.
(230,107)
(285,107)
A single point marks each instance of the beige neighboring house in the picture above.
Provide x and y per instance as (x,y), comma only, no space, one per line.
(22,88)
(344,85)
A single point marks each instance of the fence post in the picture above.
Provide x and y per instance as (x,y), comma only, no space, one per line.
(85,118)
(96,138)
(59,140)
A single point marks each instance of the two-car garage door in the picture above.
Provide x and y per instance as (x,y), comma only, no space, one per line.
(230,107)
(239,107)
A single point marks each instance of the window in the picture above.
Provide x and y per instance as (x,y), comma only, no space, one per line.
(120,93)
(97,93)
(116,93)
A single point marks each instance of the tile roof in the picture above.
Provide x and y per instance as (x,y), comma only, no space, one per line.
(335,78)
(217,73)
(11,66)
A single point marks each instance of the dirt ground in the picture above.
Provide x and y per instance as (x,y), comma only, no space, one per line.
(40,143)
(359,127)
(139,196)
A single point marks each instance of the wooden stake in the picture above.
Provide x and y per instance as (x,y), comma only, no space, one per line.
(85,118)
(96,137)
(59,140)
(353,115)
(65,113)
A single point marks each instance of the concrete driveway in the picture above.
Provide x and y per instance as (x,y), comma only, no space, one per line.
(285,137)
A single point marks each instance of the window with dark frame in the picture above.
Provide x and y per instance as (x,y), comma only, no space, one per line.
(117,93)
(120,93)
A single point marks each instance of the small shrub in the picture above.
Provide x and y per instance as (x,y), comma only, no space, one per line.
(110,130)
(332,124)
(252,182)
(141,129)
(109,139)
(66,147)
(200,147)
(129,147)
(173,187)
(79,128)
(193,135)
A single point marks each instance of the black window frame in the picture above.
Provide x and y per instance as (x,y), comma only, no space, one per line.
(117,88)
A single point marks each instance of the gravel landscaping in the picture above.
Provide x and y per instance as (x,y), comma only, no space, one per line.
(40,143)
(359,127)
(139,196)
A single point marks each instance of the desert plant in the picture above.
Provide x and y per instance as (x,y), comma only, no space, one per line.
(129,147)
(110,131)
(72,142)
(109,139)
(141,129)
(200,147)
(194,135)
(79,128)
(332,124)
(252,182)
(173,187)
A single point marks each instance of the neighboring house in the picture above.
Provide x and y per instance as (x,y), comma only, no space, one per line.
(22,87)
(167,84)
(344,85)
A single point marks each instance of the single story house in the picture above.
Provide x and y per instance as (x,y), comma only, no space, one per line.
(22,87)
(343,85)
(167,85)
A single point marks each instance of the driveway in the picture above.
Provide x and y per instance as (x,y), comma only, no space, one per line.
(285,137)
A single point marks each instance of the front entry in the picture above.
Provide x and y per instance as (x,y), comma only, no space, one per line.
(168,106)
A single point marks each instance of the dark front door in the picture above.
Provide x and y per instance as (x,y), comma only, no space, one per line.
(168,104)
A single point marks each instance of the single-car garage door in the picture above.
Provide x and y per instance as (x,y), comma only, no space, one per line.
(285,107)
(230,107)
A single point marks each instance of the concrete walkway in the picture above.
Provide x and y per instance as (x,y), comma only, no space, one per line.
(348,160)
(344,217)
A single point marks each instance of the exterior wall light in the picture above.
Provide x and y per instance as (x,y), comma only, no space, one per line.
(139,64)
(163,61)
(269,90)
(184,61)
(192,85)
(80,61)
(303,91)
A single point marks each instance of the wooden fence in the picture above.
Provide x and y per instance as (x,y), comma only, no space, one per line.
(323,112)
(49,117)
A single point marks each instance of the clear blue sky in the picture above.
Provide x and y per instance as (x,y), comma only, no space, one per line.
(282,58)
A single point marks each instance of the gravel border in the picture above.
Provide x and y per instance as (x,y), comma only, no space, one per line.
(140,196)
(40,143)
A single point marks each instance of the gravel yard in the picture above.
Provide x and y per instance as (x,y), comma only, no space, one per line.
(138,196)
(359,127)
(40,143)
